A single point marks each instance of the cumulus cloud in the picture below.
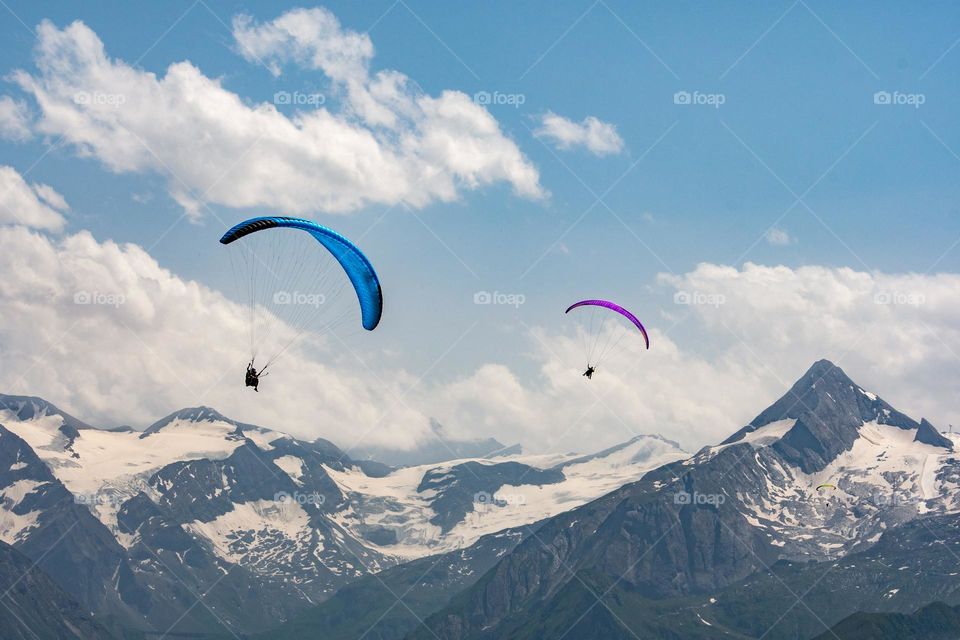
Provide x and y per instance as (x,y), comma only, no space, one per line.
(32,205)
(310,37)
(757,329)
(14,120)
(104,331)
(665,390)
(598,137)
(895,334)
(388,144)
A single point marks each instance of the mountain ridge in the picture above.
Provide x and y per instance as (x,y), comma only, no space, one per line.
(935,621)
(201,500)
(729,512)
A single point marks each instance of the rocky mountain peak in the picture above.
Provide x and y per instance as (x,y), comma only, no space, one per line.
(189,414)
(828,409)
(929,434)
(31,407)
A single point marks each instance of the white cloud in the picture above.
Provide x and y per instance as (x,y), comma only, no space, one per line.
(600,138)
(14,120)
(310,37)
(36,205)
(778,237)
(156,342)
(757,329)
(390,144)
(105,332)
(895,334)
(102,330)
(664,390)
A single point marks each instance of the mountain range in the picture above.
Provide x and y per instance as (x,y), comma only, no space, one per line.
(828,513)
(201,524)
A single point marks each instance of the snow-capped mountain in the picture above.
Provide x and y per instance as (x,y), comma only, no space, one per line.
(825,474)
(28,407)
(198,500)
(135,524)
(109,516)
(840,466)
(417,511)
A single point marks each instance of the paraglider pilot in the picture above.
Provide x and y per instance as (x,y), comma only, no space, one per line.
(253,378)
(589,372)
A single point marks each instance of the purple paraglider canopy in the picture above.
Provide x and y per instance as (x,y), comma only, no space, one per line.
(613,307)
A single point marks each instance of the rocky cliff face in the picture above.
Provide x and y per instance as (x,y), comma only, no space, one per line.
(36,608)
(828,410)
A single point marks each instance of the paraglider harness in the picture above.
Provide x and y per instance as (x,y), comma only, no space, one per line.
(589,371)
(253,377)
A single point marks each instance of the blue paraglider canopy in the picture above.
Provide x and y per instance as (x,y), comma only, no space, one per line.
(356,265)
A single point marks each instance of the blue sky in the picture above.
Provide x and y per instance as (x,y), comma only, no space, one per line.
(797,144)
